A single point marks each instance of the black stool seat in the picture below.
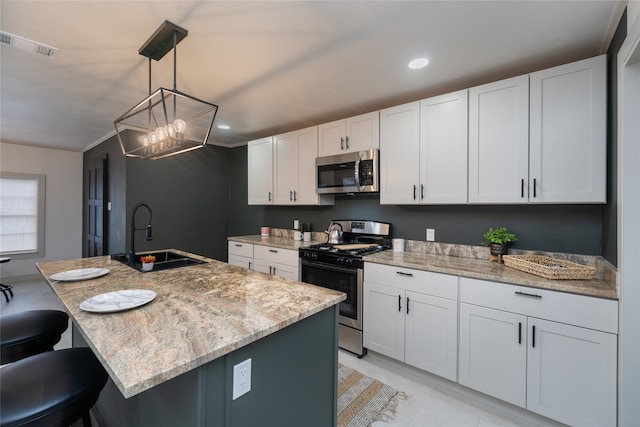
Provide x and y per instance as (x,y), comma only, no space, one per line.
(32,332)
(54,388)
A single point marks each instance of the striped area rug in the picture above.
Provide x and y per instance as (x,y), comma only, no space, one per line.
(362,400)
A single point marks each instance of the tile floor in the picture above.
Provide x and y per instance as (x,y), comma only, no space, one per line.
(431,401)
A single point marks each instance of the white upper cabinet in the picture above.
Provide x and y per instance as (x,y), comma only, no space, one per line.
(568,136)
(541,137)
(499,141)
(294,155)
(399,160)
(260,170)
(423,158)
(443,148)
(349,135)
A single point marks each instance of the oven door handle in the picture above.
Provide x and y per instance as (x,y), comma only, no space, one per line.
(335,268)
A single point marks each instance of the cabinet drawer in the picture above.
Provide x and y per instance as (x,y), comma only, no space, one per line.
(425,282)
(589,312)
(271,254)
(241,249)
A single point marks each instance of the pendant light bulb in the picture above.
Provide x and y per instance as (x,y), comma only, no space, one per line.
(161,133)
(153,138)
(171,130)
(180,127)
(144,139)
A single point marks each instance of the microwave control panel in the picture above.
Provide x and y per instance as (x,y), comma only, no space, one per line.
(366,172)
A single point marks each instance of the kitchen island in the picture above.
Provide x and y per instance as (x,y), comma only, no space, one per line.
(171,361)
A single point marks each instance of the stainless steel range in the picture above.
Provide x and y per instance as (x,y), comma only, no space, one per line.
(339,266)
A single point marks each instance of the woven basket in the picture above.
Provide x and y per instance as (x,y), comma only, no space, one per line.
(550,268)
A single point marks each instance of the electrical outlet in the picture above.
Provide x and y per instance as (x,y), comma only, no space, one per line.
(241,378)
(431,235)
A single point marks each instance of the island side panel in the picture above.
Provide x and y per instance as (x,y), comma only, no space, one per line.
(293,383)
(293,376)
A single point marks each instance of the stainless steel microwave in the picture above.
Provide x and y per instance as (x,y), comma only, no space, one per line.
(355,172)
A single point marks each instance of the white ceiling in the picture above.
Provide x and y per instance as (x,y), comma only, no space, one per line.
(273,66)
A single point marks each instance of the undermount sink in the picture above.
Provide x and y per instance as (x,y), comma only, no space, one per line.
(165,260)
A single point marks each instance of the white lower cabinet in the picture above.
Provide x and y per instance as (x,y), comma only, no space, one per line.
(277,261)
(562,367)
(241,254)
(493,359)
(412,316)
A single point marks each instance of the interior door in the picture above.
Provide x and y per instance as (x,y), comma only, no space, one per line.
(96,207)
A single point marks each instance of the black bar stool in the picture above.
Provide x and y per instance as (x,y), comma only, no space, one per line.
(5,288)
(52,389)
(28,333)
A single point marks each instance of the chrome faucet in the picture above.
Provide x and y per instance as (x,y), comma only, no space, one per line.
(132,252)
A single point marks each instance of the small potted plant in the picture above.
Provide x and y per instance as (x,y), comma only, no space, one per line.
(498,240)
(147,262)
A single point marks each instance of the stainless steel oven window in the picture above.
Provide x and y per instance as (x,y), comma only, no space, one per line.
(347,280)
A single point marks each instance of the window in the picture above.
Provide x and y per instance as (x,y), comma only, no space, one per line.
(22,214)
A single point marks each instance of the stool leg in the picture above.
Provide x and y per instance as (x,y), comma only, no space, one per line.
(4,292)
(86,420)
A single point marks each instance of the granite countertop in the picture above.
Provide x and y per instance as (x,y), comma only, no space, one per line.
(200,313)
(465,261)
(282,242)
(483,269)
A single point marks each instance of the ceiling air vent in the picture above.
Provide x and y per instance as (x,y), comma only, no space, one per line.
(27,45)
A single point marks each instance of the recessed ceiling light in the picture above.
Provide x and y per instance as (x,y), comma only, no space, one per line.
(418,63)
(225,127)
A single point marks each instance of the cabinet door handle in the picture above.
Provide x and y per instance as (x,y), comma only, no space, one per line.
(534,187)
(290,195)
(270,269)
(422,191)
(275,251)
(522,188)
(407,305)
(533,336)
(269,195)
(519,332)
(238,245)
(402,273)
(524,294)
(249,265)
(274,270)
(414,192)
(399,303)
(295,196)
(342,143)
(347,140)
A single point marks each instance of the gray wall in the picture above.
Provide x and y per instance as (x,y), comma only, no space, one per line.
(189,196)
(610,219)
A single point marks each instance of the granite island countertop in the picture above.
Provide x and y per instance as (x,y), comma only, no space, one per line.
(200,313)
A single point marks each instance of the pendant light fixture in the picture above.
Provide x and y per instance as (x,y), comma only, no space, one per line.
(168,121)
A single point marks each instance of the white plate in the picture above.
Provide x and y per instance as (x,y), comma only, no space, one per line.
(82,274)
(117,301)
